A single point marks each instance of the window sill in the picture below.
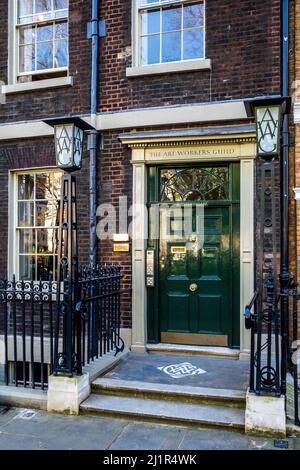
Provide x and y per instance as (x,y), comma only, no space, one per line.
(171,67)
(38,85)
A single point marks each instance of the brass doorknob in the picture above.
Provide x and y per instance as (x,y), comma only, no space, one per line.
(193,287)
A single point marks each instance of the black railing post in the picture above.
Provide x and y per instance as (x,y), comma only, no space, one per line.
(66,360)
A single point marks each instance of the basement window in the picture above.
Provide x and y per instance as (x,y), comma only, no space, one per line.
(41,39)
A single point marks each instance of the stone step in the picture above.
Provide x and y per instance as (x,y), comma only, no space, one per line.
(158,391)
(165,412)
(186,350)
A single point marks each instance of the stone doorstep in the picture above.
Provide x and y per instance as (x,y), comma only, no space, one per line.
(167,392)
(168,412)
(178,349)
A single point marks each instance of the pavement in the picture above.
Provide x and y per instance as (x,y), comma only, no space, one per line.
(23,429)
(219,373)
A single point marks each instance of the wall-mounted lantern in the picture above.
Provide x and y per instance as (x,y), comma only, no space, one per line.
(68,140)
(268,113)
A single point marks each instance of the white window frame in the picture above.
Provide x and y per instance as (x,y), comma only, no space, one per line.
(13,248)
(136,33)
(13,48)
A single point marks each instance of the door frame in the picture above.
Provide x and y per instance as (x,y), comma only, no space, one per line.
(216,148)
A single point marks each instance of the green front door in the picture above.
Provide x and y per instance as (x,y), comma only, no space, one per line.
(195,281)
(198,255)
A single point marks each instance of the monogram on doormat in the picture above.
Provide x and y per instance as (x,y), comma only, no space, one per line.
(177,371)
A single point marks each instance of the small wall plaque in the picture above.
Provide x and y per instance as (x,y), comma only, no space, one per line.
(121,247)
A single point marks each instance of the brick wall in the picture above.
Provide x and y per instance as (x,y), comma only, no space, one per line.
(242,40)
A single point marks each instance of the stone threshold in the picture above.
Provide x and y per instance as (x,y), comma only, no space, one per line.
(178,349)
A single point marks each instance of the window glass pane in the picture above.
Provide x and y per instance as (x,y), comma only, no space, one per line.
(171,47)
(193,16)
(195,184)
(171,18)
(61,54)
(45,33)
(193,44)
(27,242)
(25,187)
(44,186)
(44,56)
(56,177)
(150,22)
(25,214)
(45,267)
(25,9)
(27,35)
(61,31)
(27,58)
(150,50)
(46,241)
(60,4)
(42,6)
(45,214)
(27,268)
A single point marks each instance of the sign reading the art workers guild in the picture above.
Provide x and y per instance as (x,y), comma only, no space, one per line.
(190,153)
(268,131)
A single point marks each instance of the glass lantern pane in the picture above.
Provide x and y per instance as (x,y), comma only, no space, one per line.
(64,145)
(78,142)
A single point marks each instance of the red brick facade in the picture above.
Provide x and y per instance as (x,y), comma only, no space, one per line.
(243,43)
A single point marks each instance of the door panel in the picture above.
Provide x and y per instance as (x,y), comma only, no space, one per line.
(195,277)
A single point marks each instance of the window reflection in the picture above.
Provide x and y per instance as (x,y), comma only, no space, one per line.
(37,230)
(171,33)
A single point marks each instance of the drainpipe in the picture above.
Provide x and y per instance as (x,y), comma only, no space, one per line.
(285,276)
(93,136)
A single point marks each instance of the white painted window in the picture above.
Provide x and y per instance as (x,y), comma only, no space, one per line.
(170,31)
(41,38)
(36,220)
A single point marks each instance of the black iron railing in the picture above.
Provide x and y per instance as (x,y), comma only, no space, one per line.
(263,319)
(33,318)
(95,322)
